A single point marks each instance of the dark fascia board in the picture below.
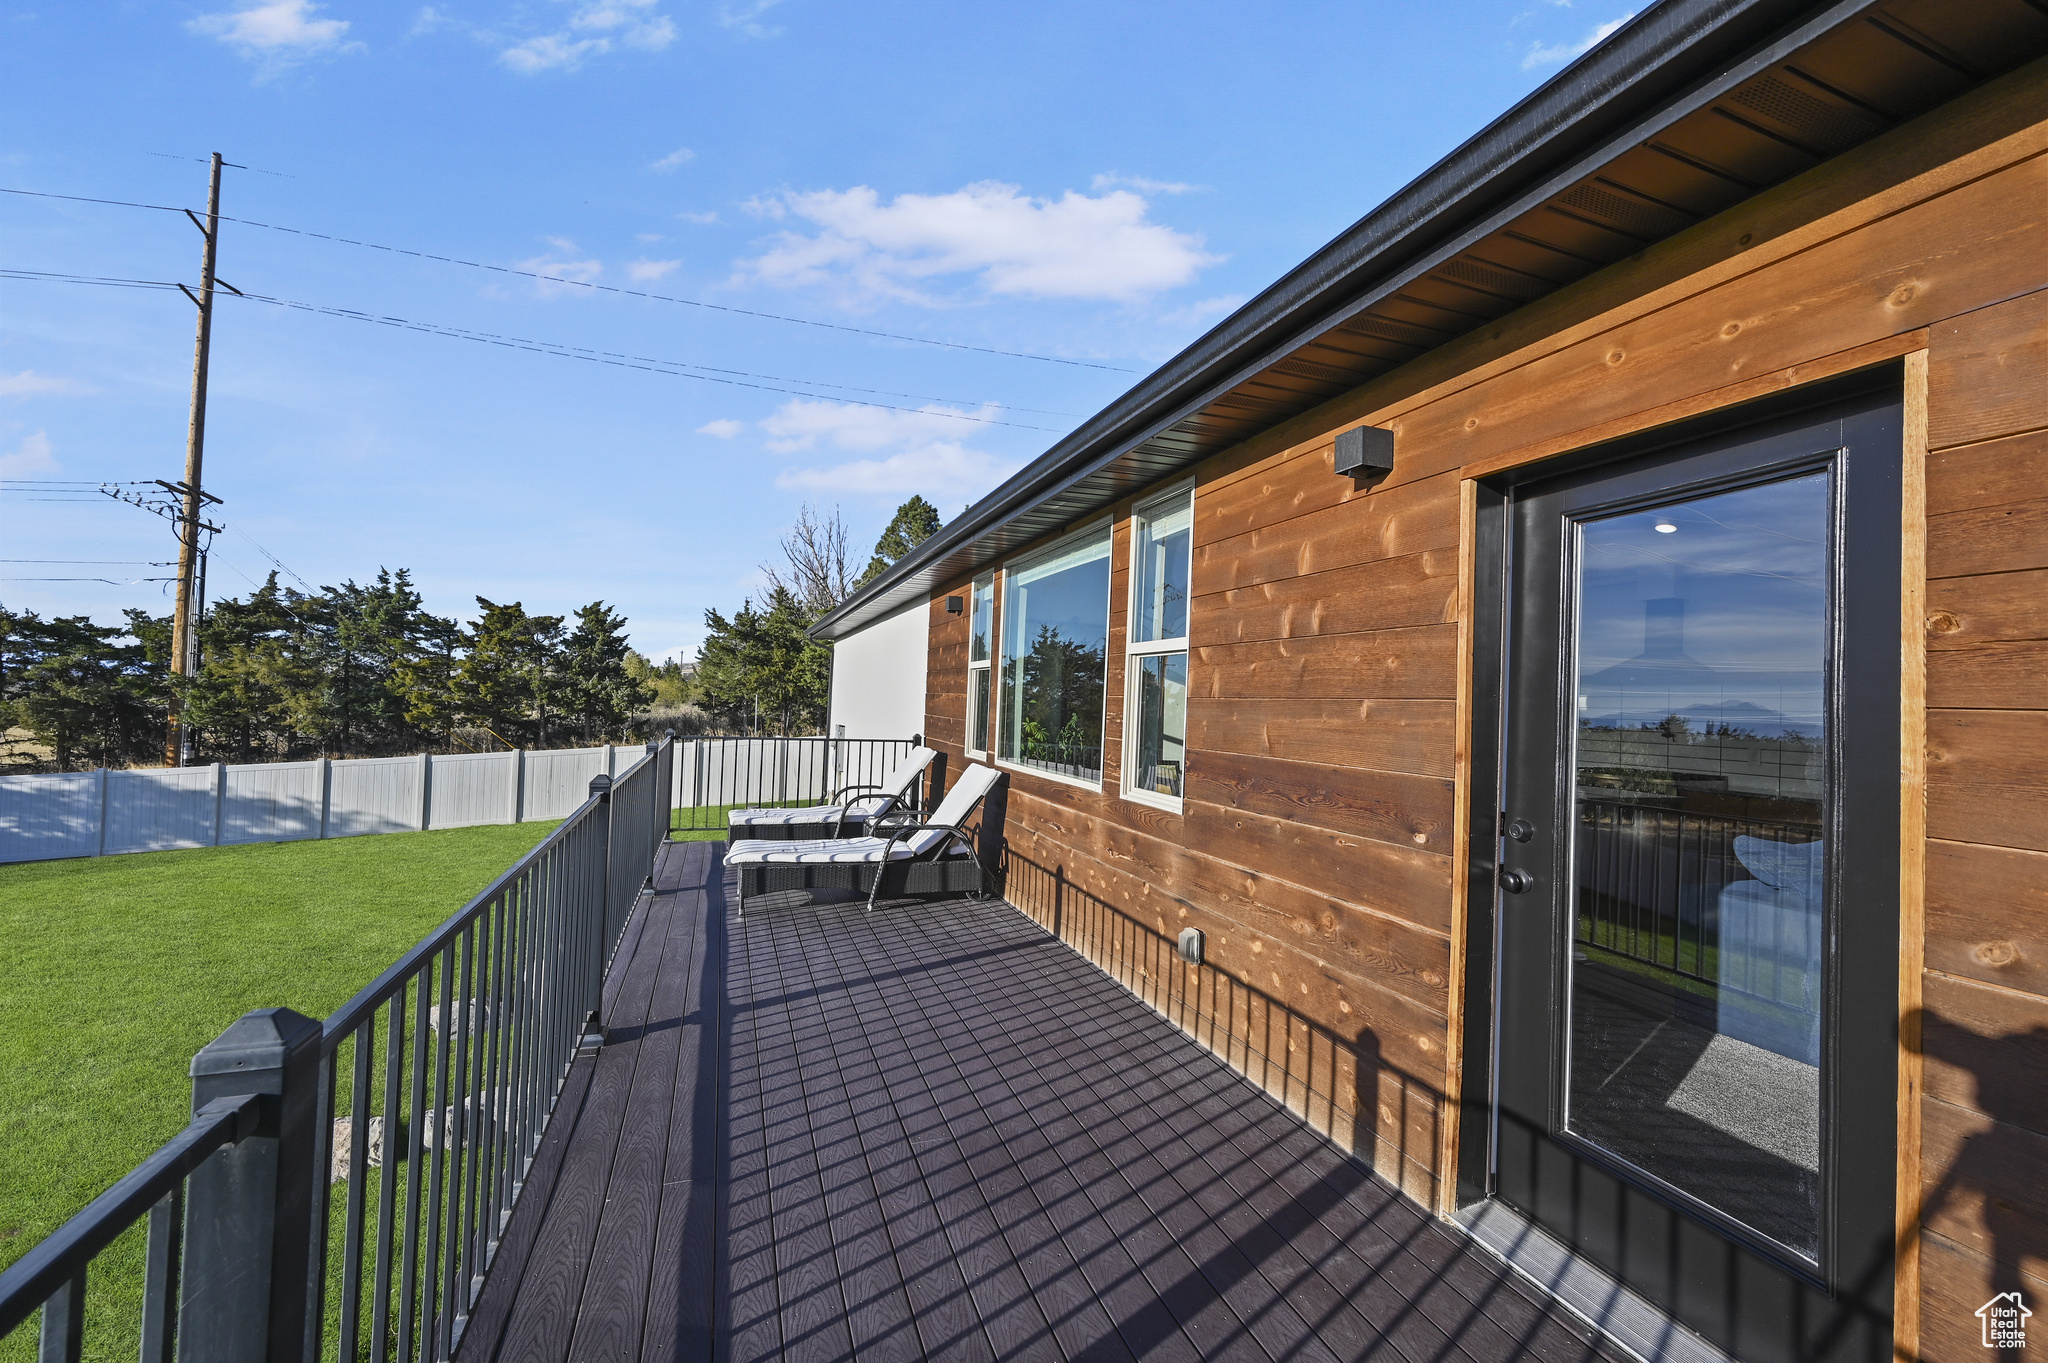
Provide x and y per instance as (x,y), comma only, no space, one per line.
(1661,66)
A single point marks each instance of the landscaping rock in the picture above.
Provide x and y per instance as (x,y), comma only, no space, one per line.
(344,1134)
(463,1010)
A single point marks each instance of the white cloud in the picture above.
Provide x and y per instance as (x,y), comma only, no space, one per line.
(679,156)
(1544,55)
(918,451)
(1204,313)
(647,271)
(803,423)
(942,469)
(28,382)
(1076,246)
(278,34)
(571,271)
(701,219)
(595,28)
(725,428)
(745,19)
(32,455)
(1141,184)
(648,238)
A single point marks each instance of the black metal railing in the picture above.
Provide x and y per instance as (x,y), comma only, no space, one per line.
(1083,761)
(1650,888)
(717,775)
(343,1186)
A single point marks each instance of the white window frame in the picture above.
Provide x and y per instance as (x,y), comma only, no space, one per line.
(986,667)
(1019,564)
(1135,649)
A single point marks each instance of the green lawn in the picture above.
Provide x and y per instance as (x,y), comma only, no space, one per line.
(119,968)
(706,823)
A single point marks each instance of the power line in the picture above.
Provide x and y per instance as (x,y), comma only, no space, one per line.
(203,161)
(600,288)
(674,368)
(117,562)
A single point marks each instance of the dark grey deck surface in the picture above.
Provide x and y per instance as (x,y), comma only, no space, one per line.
(935,1132)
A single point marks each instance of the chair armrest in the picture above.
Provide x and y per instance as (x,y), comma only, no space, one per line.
(871,820)
(840,795)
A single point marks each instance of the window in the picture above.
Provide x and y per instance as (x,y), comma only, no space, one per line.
(981,626)
(1156,703)
(1055,636)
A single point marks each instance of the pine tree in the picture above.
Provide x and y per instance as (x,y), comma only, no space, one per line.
(761,662)
(599,689)
(916,521)
(510,683)
(80,690)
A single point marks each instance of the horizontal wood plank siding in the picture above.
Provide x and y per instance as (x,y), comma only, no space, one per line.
(1315,847)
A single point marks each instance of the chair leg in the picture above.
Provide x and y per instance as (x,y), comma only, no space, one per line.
(875,886)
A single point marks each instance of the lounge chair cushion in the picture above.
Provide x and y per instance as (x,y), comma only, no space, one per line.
(753,818)
(830,851)
(894,787)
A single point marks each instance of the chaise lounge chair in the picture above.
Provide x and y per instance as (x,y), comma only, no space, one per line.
(849,814)
(903,857)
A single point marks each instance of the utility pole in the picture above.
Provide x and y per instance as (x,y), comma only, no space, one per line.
(185,625)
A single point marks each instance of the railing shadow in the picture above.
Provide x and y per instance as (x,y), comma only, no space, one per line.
(1342,1086)
(1995,1178)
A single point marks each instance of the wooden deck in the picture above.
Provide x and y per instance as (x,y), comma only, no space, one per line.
(935,1132)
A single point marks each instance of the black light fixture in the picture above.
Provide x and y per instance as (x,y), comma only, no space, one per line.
(955,604)
(1365,451)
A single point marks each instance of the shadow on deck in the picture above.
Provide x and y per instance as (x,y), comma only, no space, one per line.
(936,1132)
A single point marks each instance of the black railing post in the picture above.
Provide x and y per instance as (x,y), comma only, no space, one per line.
(62,1338)
(249,1208)
(601,789)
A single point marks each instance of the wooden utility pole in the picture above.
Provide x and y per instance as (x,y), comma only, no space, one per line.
(184,625)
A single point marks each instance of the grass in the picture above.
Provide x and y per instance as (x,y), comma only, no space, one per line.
(707,823)
(122,967)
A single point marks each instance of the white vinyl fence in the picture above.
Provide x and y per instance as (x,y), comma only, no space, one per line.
(95,813)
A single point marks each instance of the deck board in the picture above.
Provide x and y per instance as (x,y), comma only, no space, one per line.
(936,1132)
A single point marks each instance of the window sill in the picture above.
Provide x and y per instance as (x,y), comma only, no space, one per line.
(1075,781)
(1172,804)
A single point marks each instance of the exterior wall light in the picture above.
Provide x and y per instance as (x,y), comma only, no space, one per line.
(1365,451)
(955,604)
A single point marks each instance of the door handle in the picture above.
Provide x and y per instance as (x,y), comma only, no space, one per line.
(1517,882)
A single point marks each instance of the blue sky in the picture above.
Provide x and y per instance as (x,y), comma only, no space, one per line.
(1095,185)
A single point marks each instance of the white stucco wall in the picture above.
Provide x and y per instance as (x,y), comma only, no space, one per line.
(878,676)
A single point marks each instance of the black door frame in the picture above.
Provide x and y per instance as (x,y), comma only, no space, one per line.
(1490,615)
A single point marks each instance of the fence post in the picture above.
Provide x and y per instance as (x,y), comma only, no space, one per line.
(426,788)
(518,785)
(99,848)
(326,791)
(249,1208)
(220,799)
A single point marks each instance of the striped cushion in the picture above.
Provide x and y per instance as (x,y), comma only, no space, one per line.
(743,818)
(829,852)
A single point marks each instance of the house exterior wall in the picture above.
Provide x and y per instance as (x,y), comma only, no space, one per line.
(1322,848)
(878,677)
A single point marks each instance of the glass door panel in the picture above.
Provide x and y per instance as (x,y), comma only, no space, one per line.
(1700,650)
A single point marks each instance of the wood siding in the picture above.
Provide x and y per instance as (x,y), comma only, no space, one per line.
(1321,840)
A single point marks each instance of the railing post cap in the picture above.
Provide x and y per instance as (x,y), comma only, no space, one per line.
(260,1039)
(600,784)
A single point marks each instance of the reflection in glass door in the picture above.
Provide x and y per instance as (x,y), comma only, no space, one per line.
(1698,889)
